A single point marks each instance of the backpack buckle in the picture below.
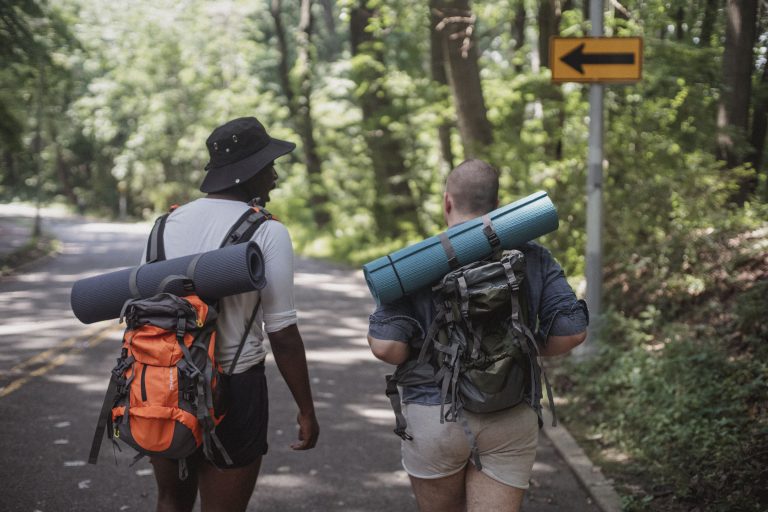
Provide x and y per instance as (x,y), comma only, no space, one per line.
(492,237)
(490,233)
(181,327)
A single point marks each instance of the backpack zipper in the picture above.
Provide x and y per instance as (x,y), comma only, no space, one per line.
(144,383)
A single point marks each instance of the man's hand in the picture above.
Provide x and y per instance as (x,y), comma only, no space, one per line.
(309,430)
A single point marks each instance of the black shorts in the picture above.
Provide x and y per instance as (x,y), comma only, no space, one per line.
(243,431)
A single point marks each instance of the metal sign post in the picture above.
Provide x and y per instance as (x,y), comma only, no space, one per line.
(595,60)
(594,256)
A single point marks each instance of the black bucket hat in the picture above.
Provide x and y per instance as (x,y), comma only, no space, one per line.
(238,150)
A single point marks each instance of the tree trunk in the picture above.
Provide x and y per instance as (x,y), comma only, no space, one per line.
(518,33)
(9,177)
(62,170)
(329,17)
(549,25)
(393,201)
(298,97)
(738,58)
(759,129)
(304,122)
(283,66)
(439,75)
(680,24)
(708,22)
(37,145)
(549,22)
(456,27)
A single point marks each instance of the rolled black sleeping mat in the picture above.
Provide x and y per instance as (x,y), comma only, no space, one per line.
(214,275)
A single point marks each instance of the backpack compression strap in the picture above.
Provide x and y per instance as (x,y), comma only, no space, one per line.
(116,381)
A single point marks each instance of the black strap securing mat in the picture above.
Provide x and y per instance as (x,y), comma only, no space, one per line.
(453,261)
(490,232)
(219,273)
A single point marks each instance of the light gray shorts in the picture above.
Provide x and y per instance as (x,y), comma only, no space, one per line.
(506,441)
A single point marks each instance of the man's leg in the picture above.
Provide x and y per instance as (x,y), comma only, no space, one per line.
(243,434)
(173,494)
(507,442)
(435,459)
(484,493)
(440,494)
(227,490)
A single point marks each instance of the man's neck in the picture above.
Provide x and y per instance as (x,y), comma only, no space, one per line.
(457,219)
(228,197)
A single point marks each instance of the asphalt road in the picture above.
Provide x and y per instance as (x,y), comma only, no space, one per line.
(54,371)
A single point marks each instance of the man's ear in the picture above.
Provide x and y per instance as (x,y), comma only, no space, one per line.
(447,203)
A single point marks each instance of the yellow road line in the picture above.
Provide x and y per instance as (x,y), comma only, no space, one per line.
(57,361)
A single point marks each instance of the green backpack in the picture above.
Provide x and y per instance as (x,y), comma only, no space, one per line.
(479,348)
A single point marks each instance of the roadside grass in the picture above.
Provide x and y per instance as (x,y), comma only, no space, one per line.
(33,249)
(674,407)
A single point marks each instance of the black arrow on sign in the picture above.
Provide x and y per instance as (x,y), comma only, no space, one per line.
(577,58)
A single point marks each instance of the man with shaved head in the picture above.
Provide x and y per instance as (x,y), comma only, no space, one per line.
(435,453)
(473,187)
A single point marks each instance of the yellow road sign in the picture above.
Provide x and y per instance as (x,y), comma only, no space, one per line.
(596,59)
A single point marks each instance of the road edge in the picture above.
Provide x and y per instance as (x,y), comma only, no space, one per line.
(50,251)
(591,477)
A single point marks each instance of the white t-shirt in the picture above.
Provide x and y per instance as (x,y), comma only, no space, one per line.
(200,226)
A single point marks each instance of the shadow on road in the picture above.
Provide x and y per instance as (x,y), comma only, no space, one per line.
(54,371)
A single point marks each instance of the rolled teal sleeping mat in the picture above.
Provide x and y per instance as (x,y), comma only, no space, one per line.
(424,263)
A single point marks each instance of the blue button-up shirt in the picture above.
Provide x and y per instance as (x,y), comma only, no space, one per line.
(554,310)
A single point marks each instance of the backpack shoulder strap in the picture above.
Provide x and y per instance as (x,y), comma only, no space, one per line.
(155,244)
(246,226)
(242,231)
(538,366)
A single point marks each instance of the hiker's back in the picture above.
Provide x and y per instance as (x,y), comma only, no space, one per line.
(483,348)
(476,401)
(201,226)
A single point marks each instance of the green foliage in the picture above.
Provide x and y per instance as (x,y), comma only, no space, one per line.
(681,387)
(751,307)
(107,100)
(688,412)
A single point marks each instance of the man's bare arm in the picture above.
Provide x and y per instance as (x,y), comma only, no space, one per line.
(288,349)
(389,351)
(558,345)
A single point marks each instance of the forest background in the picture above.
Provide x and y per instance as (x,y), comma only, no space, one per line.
(106,106)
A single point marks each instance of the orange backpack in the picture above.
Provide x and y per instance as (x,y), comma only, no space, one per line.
(164,396)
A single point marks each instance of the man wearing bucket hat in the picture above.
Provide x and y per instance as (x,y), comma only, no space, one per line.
(241,174)
(436,453)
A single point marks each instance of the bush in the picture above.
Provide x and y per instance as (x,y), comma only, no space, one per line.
(688,412)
